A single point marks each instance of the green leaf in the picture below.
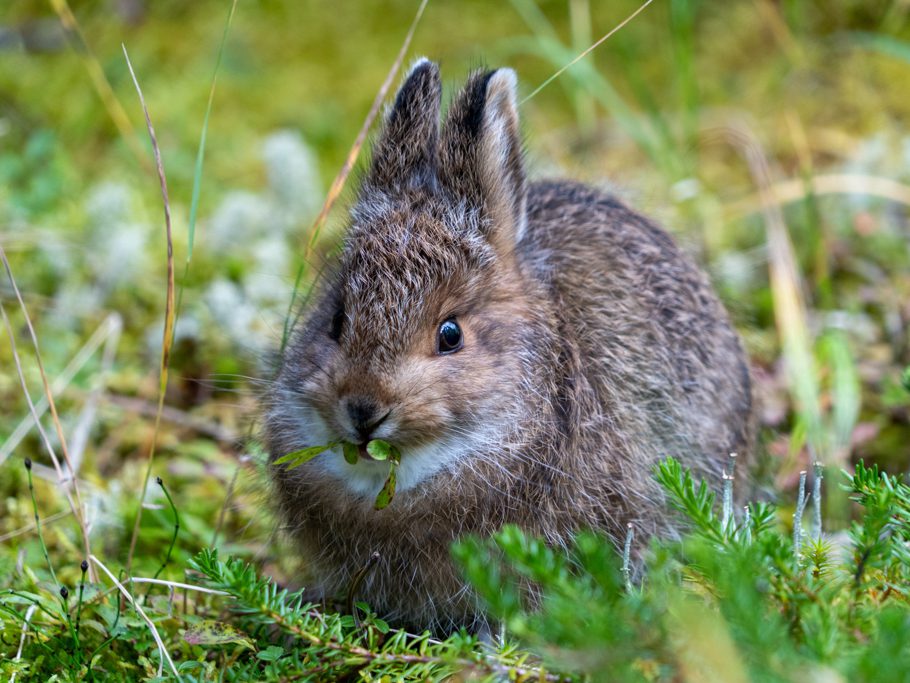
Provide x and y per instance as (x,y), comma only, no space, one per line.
(298,458)
(905,378)
(388,489)
(271,654)
(886,45)
(350,453)
(379,449)
(211,632)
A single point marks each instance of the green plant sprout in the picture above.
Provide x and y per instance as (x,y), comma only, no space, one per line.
(377,449)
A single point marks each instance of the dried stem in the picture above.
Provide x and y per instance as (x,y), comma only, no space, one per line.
(28,617)
(584,54)
(165,657)
(76,504)
(168,312)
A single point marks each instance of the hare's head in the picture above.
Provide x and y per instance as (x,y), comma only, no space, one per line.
(429,334)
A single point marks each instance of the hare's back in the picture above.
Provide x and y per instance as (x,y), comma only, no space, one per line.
(656,343)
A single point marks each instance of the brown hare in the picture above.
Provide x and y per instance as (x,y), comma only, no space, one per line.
(531,348)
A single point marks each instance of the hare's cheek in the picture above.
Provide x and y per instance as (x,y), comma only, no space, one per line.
(426,417)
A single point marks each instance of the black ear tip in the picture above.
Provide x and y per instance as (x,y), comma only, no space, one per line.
(422,84)
(424,72)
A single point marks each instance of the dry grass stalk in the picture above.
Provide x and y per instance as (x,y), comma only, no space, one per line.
(101,335)
(31,526)
(790,311)
(584,54)
(74,503)
(165,657)
(100,82)
(168,311)
(25,623)
(797,189)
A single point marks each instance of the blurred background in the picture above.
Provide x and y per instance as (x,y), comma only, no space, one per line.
(771,137)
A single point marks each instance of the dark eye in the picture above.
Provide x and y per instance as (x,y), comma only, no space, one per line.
(449,339)
(337,324)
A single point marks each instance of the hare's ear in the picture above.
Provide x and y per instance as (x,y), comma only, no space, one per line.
(481,153)
(405,152)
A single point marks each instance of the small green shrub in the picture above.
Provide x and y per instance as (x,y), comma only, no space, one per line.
(725,603)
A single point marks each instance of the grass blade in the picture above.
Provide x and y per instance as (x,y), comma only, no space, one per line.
(200,154)
(584,54)
(883,44)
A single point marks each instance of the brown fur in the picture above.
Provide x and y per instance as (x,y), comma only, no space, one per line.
(593,348)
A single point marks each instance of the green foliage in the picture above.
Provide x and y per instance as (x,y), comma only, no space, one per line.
(728,603)
(324,646)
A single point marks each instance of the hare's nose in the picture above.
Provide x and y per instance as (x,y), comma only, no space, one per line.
(365,416)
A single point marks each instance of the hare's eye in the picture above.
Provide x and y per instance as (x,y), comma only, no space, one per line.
(449,339)
(337,324)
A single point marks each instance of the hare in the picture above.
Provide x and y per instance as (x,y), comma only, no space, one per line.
(531,348)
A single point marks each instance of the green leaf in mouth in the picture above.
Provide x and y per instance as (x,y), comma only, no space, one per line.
(388,451)
(297,458)
(379,449)
(350,453)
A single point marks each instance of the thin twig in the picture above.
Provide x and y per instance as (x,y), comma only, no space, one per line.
(797,189)
(44,438)
(175,416)
(32,526)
